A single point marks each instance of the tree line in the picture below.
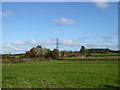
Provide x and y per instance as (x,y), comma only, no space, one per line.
(39,51)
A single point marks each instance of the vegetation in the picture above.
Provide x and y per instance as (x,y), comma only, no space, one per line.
(43,52)
(83,51)
(55,54)
(37,51)
(102,58)
(104,54)
(94,70)
(98,50)
(61,74)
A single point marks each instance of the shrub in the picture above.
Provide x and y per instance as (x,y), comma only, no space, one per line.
(54,54)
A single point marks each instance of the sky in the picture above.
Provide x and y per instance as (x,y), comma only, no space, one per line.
(28,24)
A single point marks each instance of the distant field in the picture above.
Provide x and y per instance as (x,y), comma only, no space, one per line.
(105,54)
(108,58)
(61,74)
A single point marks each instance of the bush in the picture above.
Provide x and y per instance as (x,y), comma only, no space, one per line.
(88,54)
(47,54)
(54,54)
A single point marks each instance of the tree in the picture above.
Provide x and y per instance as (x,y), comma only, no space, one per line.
(62,53)
(38,51)
(88,54)
(106,50)
(32,50)
(83,51)
(47,54)
(55,54)
(39,47)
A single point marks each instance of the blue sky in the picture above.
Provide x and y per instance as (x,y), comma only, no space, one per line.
(27,24)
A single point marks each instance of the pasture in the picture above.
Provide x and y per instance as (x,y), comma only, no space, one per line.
(61,74)
(104,54)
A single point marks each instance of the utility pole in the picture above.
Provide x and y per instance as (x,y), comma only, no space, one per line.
(57,44)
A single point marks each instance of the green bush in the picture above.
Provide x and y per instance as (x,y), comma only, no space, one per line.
(54,54)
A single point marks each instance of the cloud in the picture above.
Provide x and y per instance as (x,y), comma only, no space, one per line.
(6,13)
(99,45)
(18,43)
(39,42)
(101,3)
(68,43)
(22,46)
(6,48)
(64,21)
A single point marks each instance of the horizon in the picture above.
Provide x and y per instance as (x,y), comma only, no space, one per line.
(55,48)
(89,24)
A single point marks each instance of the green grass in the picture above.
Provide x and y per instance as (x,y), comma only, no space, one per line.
(96,58)
(105,54)
(61,74)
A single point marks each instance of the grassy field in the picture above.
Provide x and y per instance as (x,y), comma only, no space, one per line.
(114,58)
(61,74)
(105,54)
